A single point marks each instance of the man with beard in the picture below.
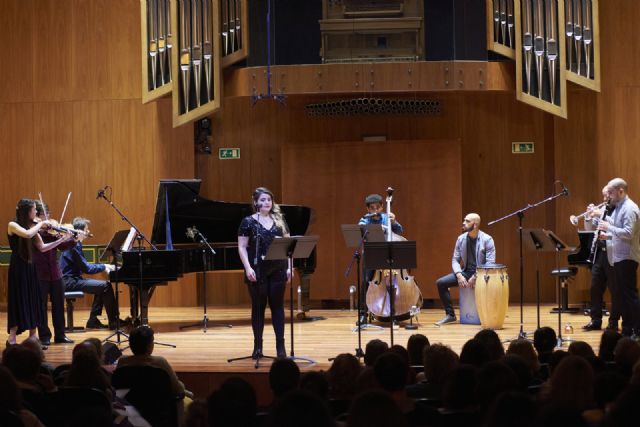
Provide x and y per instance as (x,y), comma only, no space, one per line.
(473,248)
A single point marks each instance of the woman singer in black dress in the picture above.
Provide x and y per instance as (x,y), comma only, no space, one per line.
(265,279)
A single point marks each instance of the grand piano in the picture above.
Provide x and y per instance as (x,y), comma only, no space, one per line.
(180,203)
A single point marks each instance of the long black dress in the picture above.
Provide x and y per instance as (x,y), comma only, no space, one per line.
(24,302)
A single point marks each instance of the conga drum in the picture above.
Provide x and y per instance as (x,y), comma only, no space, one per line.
(492,295)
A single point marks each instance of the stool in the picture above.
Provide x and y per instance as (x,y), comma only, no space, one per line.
(562,278)
(70,298)
(564,274)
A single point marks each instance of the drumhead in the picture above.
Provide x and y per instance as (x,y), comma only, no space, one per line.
(491,266)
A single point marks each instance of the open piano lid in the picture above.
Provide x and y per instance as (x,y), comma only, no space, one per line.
(218,221)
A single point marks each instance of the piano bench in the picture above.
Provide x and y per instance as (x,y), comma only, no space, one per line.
(563,274)
(70,298)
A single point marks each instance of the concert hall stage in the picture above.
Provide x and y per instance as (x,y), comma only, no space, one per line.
(200,359)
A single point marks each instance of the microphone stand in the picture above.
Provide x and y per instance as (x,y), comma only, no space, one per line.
(140,237)
(204,246)
(520,213)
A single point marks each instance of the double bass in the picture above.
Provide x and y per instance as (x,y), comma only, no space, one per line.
(407,293)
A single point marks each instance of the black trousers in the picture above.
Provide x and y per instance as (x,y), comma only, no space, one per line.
(102,295)
(269,289)
(625,273)
(53,289)
(602,275)
(446,282)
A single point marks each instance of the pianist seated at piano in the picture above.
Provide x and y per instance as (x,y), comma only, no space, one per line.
(74,264)
(266,279)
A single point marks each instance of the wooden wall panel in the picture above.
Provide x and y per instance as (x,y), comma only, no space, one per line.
(123,48)
(16,33)
(53,50)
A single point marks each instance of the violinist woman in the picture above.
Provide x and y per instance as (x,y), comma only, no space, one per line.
(266,279)
(50,279)
(24,300)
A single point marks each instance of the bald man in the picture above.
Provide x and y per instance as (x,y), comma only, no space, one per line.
(473,248)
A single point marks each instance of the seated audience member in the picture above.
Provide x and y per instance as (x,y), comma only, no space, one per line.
(415,348)
(474,353)
(373,349)
(375,408)
(522,371)
(544,341)
(284,376)
(525,349)
(608,342)
(493,379)
(316,382)
(300,408)
(141,343)
(491,342)
(458,393)
(234,404)
(511,408)
(626,354)
(342,376)
(582,349)
(571,385)
(438,361)
(11,400)
(86,370)
(391,371)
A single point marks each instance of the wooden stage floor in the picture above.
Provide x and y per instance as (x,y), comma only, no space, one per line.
(199,352)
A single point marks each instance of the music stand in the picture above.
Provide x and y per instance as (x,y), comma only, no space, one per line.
(291,248)
(536,240)
(389,256)
(114,249)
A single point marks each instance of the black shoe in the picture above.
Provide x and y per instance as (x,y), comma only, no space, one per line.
(592,326)
(449,318)
(45,341)
(95,323)
(363,319)
(63,340)
(257,349)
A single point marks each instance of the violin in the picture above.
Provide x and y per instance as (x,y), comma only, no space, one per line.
(54,228)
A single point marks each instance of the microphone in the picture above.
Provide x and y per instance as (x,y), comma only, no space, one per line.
(565,190)
(191,232)
(101,192)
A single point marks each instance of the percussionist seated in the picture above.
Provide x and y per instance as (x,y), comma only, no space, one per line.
(74,264)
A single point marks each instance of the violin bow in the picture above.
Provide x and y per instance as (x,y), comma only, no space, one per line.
(46,214)
(65,207)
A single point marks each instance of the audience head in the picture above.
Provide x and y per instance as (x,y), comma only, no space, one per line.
(545,340)
(284,376)
(571,383)
(608,342)
(474,353)
(342,376)
(458,393)
(439,361)
(509,409)
(233,404)
(97,345)
(493,379)
(86,369)
(491,342)
(34,345)
(520,368)
(316,382)
(141,340)
(415,348)
(391,371)
(300,408)
(24,363)
(524,349)
(373,349)
(582,349)
(375,408)
(607,386)
(626,354)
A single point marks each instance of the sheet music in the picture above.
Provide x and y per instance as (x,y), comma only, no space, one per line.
(128,243)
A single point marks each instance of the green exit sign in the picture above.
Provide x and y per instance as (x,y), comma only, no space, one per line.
(228,153)
(522,147)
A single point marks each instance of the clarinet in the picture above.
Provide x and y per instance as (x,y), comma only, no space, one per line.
(596,237)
